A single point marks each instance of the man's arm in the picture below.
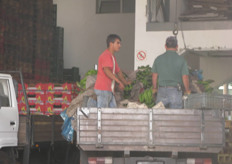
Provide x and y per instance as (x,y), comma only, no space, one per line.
(109,73)
(123,80)
(154,82)
(185,79)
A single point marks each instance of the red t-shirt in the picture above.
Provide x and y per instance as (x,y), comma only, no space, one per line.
(103,82)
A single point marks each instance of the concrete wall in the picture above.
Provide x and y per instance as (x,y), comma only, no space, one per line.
(218,69)
(152,43)
(85,34)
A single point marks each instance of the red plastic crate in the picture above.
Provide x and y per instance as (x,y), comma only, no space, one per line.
(22,109)
(54,109)
(21,98)
(37,109)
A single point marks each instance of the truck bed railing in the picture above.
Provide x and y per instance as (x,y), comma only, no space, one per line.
(179,130)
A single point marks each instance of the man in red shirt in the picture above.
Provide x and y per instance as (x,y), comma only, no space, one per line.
(109,73)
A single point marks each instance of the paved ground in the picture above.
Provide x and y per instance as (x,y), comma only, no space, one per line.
(62,154)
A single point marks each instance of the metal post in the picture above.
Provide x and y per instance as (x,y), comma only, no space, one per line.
(27,147)
(99,129)
(151,144)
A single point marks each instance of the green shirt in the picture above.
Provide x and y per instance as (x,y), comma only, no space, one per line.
(170,68)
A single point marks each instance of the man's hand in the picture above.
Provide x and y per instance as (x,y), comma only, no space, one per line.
(121,86)
(187,92)
(154,90)
(128,82)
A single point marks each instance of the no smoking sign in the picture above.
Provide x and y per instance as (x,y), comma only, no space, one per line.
(141,55)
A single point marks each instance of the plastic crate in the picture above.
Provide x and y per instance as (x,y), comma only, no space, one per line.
(208,101)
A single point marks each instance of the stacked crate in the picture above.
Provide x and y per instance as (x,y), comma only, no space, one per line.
(35,96)
(43,38)
(58,97)
(17,36)
(71,75)
(25,34)
(26,38)
(46,98)
(56,60)
(8,32)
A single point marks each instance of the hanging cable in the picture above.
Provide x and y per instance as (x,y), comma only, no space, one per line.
(182,34)
(175,30)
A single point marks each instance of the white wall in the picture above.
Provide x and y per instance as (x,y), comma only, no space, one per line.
(221,69)
(85,34)
(152,42)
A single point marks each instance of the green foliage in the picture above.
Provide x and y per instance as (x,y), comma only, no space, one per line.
(82,83)
(127,90)
(144,75)
(206,85)
(147,98)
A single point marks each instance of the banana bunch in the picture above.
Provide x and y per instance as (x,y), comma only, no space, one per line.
(147,98)
(127,90)
(144,75)
(206,85)
(91,72)
(82,83)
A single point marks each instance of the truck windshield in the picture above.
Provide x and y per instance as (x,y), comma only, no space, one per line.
(4,93)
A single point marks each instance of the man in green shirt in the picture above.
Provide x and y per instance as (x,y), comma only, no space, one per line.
(171,70)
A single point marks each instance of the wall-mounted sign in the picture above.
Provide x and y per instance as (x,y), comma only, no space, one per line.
(141,55)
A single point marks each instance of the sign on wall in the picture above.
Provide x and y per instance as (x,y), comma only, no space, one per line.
(141,55)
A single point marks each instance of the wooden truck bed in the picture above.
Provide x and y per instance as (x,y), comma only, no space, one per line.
(43,129)
(172,130)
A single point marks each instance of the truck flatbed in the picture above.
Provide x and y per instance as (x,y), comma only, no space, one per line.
(158,130)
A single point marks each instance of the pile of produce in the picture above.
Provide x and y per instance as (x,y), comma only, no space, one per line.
(82,83)
(147,97)
(144,79)
(198,84)
(144,75)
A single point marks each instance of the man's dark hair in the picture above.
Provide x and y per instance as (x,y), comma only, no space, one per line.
(171,42)
(111,38)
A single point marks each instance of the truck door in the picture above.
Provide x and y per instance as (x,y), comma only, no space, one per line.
(8,113)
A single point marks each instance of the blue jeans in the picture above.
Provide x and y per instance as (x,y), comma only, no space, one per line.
(105,99)
(170,97)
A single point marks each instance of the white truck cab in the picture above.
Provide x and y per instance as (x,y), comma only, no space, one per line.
(9,118)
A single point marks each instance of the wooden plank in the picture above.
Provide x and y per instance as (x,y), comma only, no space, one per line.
(109,140)
(88,140)
(176,112)
(214,130)
(124,117)
(43,128)
(176,118)
(114,134)
(175,123)
(116,128)
(176,141)
(115,122)
(124,111)
(177,129)
(171,135)
(118,116)
(125,140)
